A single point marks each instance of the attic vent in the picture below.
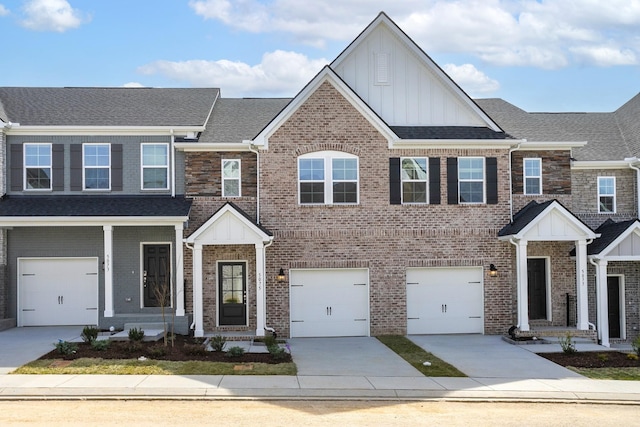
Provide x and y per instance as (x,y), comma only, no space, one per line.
(382,68)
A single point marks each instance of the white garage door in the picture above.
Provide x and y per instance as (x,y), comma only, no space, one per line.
(329,303)
(58,291)
(444,300)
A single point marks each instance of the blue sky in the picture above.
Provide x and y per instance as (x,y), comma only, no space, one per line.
(544,55)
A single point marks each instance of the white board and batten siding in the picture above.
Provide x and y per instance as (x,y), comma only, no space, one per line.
(329,302)
(445,300)
(57,291)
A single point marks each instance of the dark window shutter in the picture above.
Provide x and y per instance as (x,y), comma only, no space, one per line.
(434,180)
(116,167)
(452,180)
(16,167)
(57,163)
(492,180)
(75,150)
(395,186)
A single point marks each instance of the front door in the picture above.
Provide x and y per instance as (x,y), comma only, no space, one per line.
(613,298)
(232,289)
(156,275)
(537,292)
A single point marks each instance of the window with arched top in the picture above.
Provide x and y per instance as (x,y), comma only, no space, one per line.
(328,178)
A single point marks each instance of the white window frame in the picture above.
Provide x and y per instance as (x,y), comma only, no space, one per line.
(238,178)
(85,167)
(425,180)
(25,167)
(328,157)
(143,166)
(483,180)
(526,177)
(601,194)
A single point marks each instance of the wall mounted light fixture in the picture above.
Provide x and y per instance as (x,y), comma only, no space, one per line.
(493,271)
(280,277)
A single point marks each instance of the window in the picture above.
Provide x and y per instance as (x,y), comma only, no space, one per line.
(329,177)
(414,179)
(532,176)
(471,179)
(37,166)
(155,166)
(96,166)
(230,178)
(606,194)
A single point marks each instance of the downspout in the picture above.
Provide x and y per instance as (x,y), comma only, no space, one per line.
(631,161)
(173,165)
(254,150)
(592,262)
(511,150)
(193,303)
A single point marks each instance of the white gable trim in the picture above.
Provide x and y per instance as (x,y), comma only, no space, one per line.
(629,238)
(555,223)
(383,19)
(228,227)
(326,75)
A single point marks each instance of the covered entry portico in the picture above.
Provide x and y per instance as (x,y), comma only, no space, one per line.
(548,222)
(229,226)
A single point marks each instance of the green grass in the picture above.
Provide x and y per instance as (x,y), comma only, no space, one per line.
(415,355)
(153,367)
(629,374)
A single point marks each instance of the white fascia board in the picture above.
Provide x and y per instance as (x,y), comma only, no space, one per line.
(326,75)
(104,130)
(213,146)
(599,164)
(92,221)
(454,143)
(551,145)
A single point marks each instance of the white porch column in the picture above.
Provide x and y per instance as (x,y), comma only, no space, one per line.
(261,309)
(523,285)
(602,302)
(179,272)
(108,270)
(198,316)
(582,301)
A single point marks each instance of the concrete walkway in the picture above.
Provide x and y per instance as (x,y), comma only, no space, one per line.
(336,368)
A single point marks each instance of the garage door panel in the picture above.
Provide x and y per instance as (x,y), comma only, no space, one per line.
(444,300)
(58,291)
(327,303)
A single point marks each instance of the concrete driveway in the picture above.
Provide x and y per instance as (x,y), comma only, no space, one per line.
(351,356)
(488,356)
(21,345)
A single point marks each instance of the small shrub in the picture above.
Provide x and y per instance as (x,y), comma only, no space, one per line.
(89,334)
(66,348)
(136,334)
(157,351)
(134,346)
(635,344)
(277,352)
(218,343)
(195,349)
(270,340)
(603,357)
(235,351)
(100,345)
(632,356)
(567,344)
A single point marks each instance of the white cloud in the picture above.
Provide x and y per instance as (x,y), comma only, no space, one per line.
(471,80)
(133,84)
(3,10)
(279,73)
(51,15)
(547,34)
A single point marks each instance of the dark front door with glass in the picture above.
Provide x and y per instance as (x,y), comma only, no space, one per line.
(156,275)
(232,289)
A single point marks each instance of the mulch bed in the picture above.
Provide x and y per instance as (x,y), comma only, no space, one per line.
(184,349)
(606,359)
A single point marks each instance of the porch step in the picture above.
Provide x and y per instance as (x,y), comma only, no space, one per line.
(229,335)
(149,335)
(147,326)
(558,332)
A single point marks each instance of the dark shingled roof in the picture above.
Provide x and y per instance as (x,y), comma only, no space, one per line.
(42,106)
(609,231)
(524,217)
(447,132)
(87,206)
